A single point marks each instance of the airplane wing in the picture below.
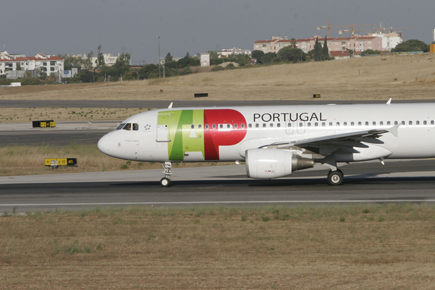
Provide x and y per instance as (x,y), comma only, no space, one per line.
(344,142)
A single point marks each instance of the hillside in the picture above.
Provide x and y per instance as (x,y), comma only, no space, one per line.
(398,77)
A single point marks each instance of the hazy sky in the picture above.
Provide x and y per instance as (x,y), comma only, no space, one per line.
(194,26)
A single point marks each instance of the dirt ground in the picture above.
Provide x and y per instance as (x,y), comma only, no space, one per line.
(335,247)
(403,77)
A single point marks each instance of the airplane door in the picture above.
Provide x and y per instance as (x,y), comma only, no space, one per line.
(289,128)
(163,121)
(301,128)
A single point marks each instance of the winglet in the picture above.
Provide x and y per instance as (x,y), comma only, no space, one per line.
(394,131)
(170,106)
(389,101)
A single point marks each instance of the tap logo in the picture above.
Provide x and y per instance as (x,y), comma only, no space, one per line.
(203,131)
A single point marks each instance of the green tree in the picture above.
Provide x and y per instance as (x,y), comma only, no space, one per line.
(411,45)
(290,54)
(317,50)
(184,62)
(325,50)
(168,58)
(257,54)
(100,58)
(213,54)
(268,57)
(370,51)
(293,42)
(70,61)
(89,64)
(240,59)
(149,71)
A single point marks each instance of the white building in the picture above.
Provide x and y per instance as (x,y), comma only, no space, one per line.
(46,63)
(205,59)
(109,59)
(234,50)
(389,40)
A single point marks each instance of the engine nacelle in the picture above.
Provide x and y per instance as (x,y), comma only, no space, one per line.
(273,163)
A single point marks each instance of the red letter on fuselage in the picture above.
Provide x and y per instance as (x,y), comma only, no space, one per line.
(215,137)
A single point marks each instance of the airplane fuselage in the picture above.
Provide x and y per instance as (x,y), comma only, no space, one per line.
(225,134)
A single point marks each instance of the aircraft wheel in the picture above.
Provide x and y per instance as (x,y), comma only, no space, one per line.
(335,177)
(165,182)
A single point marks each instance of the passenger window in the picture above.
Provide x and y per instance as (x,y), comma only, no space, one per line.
(199,126)
(417,122)
(228,126)
(301,124)
(120,126)
(316,124)
(432,122)
(323,124)
(381,123)
(271,125)
(235,126)
(338,123)
(206,126)
(395,123)
(214,126)
(135,126)
(330,124)
(264,125)
(359,123)
(257,125)
(221,126)
(243,126)
(424,122)
(309,124)
(289,124)
(403,122)
(410,122)
(367,123)
(388,123)
(345,124)
(352,123)
(193,126)
(374,123)
(127,127)
(250,125)
(278,125)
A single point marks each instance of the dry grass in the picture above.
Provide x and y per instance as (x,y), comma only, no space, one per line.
(16,115)
(339,247)
(369,78)
(30,160)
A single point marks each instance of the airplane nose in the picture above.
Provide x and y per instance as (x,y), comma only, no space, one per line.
(104,144)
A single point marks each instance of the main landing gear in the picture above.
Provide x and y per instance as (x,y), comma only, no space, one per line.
(166,181)
(335,177)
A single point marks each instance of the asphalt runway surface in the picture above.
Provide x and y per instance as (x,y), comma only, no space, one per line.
(51,137)
(398,181)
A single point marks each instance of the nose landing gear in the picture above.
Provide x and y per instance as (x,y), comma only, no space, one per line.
(166,181)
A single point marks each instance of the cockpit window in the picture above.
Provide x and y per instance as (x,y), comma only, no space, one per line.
(127,127)
(135,126)
(120,126)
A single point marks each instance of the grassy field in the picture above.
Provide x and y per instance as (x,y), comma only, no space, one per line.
(402,77)
(337,247)
(20,115)
(30,160)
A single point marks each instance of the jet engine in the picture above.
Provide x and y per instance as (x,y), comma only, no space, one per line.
(273,163)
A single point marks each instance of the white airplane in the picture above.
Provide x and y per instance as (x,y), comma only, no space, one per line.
(274,141)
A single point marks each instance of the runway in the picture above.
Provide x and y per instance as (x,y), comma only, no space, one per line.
(398,181)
